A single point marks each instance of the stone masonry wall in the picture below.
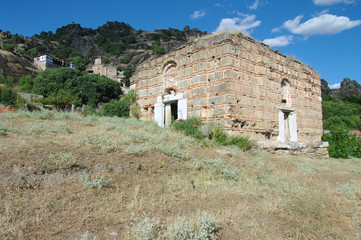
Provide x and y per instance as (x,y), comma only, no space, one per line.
(236,81)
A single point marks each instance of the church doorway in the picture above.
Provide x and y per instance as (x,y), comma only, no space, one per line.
(287,125)
(170,108)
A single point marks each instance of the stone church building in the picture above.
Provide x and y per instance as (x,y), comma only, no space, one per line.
(237,82)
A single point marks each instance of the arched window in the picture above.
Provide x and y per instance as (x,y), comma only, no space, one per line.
(170,75)
(285,91)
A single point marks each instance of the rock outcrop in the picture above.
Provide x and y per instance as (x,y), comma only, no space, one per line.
(348,88)
(15,66)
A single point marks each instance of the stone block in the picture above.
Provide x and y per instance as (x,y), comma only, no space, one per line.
(204,130)
(194,80)
(225,61)
(228,73)
(218,75)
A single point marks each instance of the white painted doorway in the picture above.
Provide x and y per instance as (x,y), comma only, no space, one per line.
(170,107)
(287,125)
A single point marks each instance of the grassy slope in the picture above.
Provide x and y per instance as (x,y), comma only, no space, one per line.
(166,175)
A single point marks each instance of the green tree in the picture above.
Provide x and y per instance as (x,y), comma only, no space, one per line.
(118,108)
(9,47)
(8,96)
(15,39)
(128,72)
(62,99)
(79,61)
(157,49)
(26,84)
(341,113)
(342,144)
(88,88)
(7,81)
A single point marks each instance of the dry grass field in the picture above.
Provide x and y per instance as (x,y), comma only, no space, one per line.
(67,177)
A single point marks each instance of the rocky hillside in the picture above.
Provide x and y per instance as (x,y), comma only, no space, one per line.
(117,43)
(348,88)
(15,66)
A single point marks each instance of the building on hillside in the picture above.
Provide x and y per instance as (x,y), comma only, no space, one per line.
(44,62)
(239,83)
(107,71)
(102,70)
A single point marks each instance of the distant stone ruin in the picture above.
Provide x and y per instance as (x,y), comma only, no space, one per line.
(239,83)
(107,71)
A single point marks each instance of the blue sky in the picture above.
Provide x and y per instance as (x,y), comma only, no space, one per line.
(326,34)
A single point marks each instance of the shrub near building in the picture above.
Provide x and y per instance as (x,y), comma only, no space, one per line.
(10,98)
(66,86)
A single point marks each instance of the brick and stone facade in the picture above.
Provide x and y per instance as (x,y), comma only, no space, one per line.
(102,70)
(237,82)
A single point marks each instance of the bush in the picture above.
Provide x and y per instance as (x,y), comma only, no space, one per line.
(182,229)
(243,143)
(124,60)
(230,173)
(66,86)
(8,96)
(217,134)
(3,128)
(128,72)
(346,113)
(342,144)
(106,60)
(9,47)
(118,108)
(63,160)
(157,49)
(100,182)
(7,81)
(63,127)
(26,84)
(145,227)
(171,150)
(190,127)
(205,227)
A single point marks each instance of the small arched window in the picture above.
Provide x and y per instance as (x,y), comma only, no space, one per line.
(170,75)
(285,91)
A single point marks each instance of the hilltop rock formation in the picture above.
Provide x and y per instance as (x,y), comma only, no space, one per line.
(116,42)
(348,88)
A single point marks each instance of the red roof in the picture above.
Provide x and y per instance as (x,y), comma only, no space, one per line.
(7,109)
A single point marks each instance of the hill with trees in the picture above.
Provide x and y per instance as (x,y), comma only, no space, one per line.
(117,43)
(341,109)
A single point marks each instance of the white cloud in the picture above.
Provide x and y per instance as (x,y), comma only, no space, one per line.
(219,5)
(255,5)
(335,86)
(277,29)
(280,41)
(198,14)
(247,23)
(331,2)
(322,25)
